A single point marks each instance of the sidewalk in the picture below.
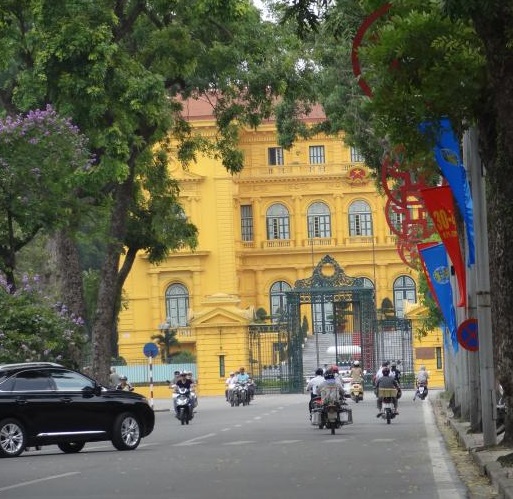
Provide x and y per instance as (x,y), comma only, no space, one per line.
(486,459)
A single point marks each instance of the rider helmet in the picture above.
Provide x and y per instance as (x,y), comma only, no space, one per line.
(319,372)
(385,371)
(334,369)
(123,378)
(329,374)
(356,363)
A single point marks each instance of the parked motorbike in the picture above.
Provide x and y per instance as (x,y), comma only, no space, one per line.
(184,405)
(331,415)
(356,391)
(422,390)
(387,407)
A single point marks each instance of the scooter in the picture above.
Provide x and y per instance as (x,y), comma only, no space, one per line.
(422,391)
(356,391)
(184,405)
(387,407)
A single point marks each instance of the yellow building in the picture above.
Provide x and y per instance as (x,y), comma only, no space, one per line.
(260,231)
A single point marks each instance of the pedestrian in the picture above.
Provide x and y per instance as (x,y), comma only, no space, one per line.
(114,378)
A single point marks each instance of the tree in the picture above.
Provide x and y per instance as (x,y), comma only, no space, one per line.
(34,329)
(43,160)
(121,70)
(423,61)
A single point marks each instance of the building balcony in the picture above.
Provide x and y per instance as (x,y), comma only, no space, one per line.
(300,169)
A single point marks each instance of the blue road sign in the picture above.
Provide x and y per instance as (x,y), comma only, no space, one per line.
(150,350)
(467,335)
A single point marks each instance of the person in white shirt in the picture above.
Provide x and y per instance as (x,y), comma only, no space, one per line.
(313,386)
(230,383)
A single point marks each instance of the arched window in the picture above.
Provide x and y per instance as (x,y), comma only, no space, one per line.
(360,219)
(278,299)
(367,283)
(177,305)
(278,222)
(404,290)
(319,220)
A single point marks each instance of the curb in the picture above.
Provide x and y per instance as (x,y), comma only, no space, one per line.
(486,459)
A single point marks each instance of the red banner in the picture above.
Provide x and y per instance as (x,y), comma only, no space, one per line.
(440,206)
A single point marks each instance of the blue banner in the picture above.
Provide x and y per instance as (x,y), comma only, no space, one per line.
(447,154)
(437,266)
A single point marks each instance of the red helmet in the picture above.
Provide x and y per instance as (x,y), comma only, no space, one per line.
(334,369)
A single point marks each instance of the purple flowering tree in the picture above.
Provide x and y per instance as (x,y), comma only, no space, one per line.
(44,160)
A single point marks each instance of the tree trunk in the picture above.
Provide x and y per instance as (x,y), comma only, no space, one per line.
(104,326)
(69,273)
(496,134)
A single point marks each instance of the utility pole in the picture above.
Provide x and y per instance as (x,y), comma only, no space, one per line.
(484,313)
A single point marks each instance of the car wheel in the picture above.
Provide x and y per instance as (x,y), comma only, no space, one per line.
(71,447)
(126,433)
(13,438)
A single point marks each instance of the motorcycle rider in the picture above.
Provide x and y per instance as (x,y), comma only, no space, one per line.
(421,379)
(356,372)
(313,386)
(386,381)
(230,383)
(330,390)
(394,372)
(184,382)
(124,384)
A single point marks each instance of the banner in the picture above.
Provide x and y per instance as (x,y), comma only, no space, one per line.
(420,247)
(448,158)
(435,261)
(440,206)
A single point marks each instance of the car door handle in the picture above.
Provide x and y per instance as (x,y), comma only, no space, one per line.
(21,401)
(66,400)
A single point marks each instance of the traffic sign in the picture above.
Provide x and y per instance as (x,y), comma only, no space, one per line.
(150,350)
(467,335)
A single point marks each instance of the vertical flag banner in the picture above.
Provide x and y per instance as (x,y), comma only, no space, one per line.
(436,263)
(440,206)
(448,158)
(420,247)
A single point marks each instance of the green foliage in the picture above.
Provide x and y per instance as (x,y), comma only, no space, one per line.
(34,329)
(183,357)
(43,161)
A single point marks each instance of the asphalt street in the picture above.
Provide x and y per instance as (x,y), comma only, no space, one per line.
(268,449)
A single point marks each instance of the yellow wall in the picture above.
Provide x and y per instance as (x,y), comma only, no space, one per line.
(228,278)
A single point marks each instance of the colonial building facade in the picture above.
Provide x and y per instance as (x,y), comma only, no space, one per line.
(260,232)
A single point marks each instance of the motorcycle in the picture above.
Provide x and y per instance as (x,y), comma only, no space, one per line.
(356,391)
(347,382)
(331,415)
(422,390)
(240,395)
(387,407)
(184,405)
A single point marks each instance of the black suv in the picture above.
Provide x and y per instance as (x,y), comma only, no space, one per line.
(47,404)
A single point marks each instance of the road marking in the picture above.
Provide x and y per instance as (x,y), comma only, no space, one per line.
(194,441)
(446,485)
(280,442)
(383,440)
(239,442)
(39,480)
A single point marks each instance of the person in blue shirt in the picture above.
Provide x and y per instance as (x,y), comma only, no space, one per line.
(243,376)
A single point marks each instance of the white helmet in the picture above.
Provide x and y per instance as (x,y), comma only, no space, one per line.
(356,363)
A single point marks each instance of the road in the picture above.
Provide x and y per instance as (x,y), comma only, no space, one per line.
(266,450)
